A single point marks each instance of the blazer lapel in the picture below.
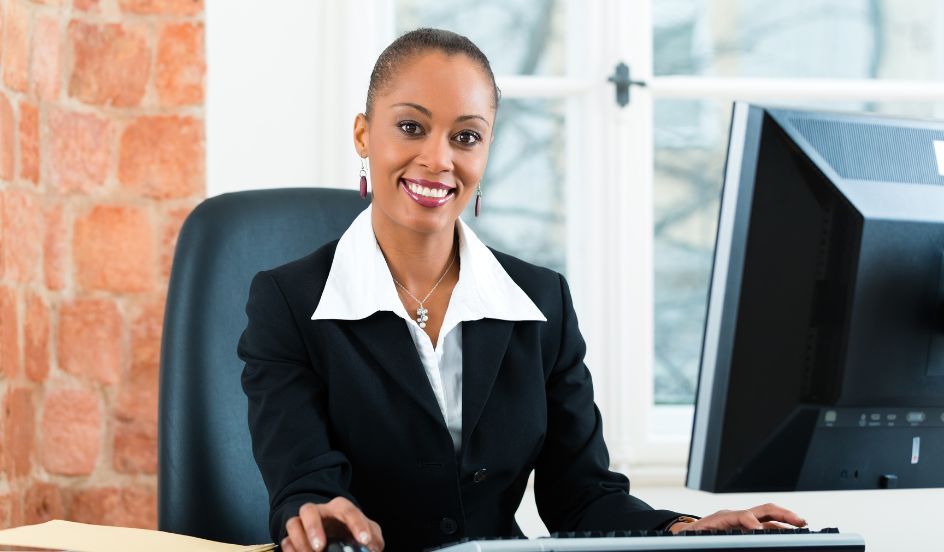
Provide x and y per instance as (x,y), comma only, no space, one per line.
(385,336)
(484,343)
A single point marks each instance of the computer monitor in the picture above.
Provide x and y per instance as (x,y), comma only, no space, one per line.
(822,365)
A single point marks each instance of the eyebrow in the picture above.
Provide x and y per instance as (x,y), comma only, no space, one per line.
(429,113)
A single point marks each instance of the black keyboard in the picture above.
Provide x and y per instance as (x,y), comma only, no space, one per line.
(765,540)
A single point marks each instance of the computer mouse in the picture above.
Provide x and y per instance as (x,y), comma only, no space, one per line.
(345,545)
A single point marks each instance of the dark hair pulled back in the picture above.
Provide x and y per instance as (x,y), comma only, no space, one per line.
(420,41)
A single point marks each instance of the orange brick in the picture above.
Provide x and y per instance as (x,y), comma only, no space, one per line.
(171,7)
(71,431)
(55,248)
(87,5)
(78,149)
(127,507)
(36,338)
(16,46)
(111,65)
(9,328)
(173,221)
(135,448)
(137,397)
(19,428)
(136,404)
(6,501)
(113,249)
(163,157)
(42,502)
(11,510)
(7,142)
(90,339)
(29,141)
(23,231)
(46,58)
(147,319)
(180,64)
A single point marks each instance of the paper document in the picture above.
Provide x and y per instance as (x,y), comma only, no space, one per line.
(82,537)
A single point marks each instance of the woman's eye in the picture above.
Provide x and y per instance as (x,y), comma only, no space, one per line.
(409,127)
(468,137)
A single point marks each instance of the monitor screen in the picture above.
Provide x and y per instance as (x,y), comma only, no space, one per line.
(822,365)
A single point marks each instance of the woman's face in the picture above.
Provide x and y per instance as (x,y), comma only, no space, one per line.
(427,140)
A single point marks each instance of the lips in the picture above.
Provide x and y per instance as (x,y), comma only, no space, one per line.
(426,192)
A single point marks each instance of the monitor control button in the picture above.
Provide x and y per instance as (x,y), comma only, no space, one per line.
(888,481)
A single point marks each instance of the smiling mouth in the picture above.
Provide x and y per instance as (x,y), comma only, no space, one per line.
(426,193)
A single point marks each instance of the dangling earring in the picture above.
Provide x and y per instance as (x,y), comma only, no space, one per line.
(363,180)
(478,199)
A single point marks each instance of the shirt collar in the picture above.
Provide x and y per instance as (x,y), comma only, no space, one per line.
(359,282)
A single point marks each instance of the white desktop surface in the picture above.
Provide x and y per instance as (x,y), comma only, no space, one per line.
(899,520)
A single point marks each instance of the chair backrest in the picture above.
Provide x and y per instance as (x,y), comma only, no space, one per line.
(208,483)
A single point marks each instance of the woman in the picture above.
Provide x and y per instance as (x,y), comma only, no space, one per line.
(404,381)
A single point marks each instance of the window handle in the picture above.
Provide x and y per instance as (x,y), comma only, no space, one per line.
(622,80)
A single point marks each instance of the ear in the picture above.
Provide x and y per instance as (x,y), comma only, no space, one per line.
(361,140)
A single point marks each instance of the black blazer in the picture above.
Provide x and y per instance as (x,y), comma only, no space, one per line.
(344,408)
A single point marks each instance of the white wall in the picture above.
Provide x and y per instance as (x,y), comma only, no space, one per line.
(272,67)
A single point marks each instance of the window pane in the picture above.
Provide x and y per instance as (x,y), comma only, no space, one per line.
(523,187)
(690,146)
(520,37)
(800,39)
(690,137)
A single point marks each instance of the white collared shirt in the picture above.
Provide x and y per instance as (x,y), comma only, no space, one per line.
(360,284)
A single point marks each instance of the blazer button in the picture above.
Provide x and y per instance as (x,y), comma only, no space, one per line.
(480,475)
(448,525)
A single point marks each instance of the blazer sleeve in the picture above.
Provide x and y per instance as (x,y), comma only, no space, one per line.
(574,488)
(287,409)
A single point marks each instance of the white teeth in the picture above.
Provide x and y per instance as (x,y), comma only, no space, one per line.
(427,192)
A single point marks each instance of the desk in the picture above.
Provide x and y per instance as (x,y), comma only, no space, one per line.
(899,520)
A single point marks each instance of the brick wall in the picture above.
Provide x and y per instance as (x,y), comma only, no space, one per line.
(101,159)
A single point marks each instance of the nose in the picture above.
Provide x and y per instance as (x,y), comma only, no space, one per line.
(436,155)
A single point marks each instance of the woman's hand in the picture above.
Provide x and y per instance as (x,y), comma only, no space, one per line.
(766,516)
(340,518)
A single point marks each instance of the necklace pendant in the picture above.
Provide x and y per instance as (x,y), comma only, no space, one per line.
(422,315)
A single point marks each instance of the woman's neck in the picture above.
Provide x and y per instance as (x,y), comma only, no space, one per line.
(416,260)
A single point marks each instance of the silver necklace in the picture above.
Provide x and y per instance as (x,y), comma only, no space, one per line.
(422,314)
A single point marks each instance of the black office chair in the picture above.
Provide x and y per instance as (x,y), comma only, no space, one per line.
(208,483)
